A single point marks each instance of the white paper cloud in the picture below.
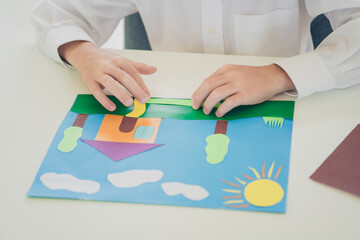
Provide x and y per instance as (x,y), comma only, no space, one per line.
(134,178)
(56,181)
(192,192)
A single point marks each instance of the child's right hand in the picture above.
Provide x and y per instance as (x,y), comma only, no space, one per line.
(100,69)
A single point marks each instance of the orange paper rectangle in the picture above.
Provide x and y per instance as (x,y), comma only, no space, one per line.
(109,129)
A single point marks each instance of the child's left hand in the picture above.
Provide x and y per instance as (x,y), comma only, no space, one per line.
(240,85)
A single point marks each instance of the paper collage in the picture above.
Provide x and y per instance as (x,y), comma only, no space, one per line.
(166,153)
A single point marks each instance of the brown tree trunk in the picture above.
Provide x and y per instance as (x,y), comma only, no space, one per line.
(80,120)
(221,127)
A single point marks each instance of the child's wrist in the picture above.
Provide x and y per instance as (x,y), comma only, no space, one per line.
(72,52)
(282,79)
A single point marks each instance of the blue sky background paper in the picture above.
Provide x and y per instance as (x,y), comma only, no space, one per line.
(182,158)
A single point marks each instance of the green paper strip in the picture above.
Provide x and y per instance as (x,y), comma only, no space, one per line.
(174,101)
(170,101)
(87,104)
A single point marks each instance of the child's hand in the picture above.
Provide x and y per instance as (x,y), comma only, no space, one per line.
(240,85)
(100,69)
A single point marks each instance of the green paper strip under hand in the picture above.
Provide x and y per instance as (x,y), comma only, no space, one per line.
(174,101)
(87,104)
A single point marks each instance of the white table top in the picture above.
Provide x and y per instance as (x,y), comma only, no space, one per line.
(36,95)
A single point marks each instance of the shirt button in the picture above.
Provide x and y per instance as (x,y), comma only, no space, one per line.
(212,30)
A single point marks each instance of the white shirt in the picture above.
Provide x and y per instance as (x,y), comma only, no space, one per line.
(245,27)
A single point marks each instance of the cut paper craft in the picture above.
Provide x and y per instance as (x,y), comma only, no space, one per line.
(72,134)
(80,120)
(69,142)
(174,101)
(221,127)
(261,191)
(68,182)
(134,178)
(275,122)
(342,168)
(87,104)
(177,173)
(216,148)
(127,124)
(170,101)
(109,129)
(144,132)
(118,151)
(192,192)
(217,144)
(138,110)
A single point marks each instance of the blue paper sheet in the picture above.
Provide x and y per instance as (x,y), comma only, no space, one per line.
(176,173)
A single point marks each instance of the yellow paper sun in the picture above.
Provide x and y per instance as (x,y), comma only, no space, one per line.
(261,191)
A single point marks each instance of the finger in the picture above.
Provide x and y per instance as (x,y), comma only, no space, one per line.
(222,69)
(217,95)
(143,68)
(131,70)
(231,102)
(114,87)
(122,77)
(101,97)
(207,86)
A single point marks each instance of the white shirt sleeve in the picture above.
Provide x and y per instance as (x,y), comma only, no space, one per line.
(60,22)
(336,61)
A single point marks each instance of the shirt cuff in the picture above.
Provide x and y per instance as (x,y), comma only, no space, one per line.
(59,36)
(309,74)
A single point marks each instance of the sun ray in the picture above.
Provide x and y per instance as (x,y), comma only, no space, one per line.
(233,201)
(231,197)
(250,178)
(278,172)
(260,189)
(263,170)
(239,206)
(255,172)
(270,170)
(231,190)
(230,183)
(242,182)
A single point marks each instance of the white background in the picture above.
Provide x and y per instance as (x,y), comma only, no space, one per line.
(15,25)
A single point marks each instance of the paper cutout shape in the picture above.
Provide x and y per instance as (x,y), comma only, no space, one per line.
(87,104)
(80,120)
(221,127)
(127,124)
(192,192)
(216,148)
(69,142)
(260,192)
(175,101)
(68,182)
(275,122)
(144,132)
(170,101)
(118,151)
(134,178)
(217,144)
(109,130)
(139,110)
(342,168)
